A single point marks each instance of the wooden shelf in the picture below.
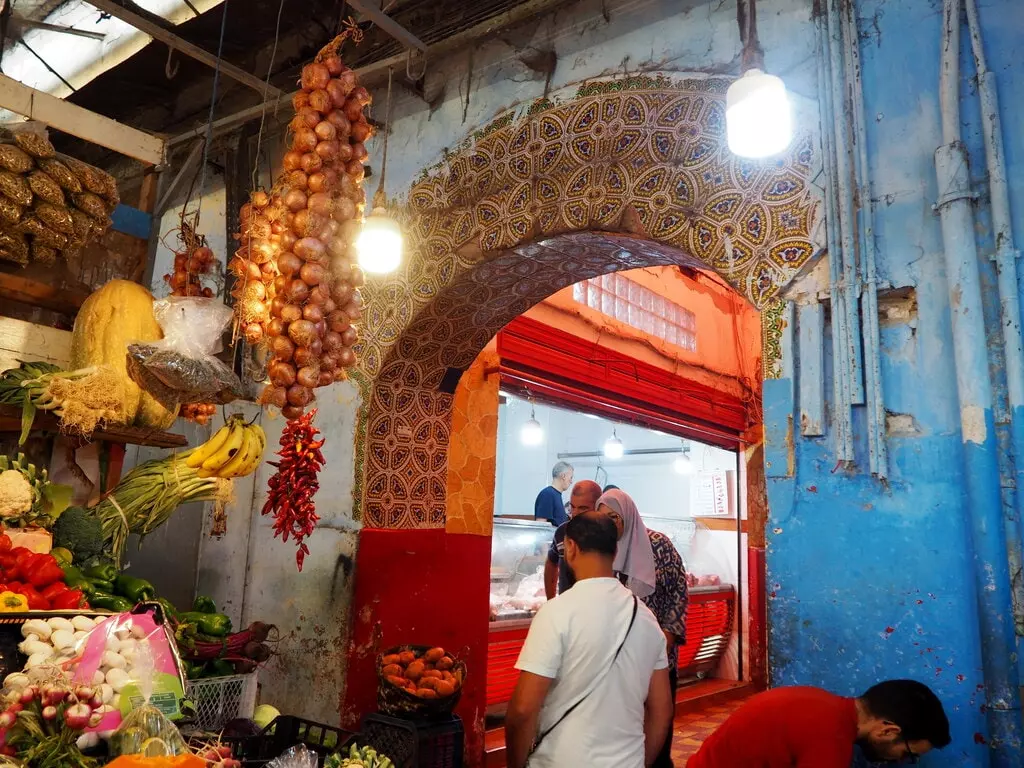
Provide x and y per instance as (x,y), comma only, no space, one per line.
(10,421)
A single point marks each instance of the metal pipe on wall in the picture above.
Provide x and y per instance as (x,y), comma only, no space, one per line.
(844,173)
(1006,254)
(877,450)
(974,389)
(841,405)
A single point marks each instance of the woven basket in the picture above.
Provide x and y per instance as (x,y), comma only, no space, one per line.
(398,702)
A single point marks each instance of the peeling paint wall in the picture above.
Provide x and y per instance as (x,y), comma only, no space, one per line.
(903,601)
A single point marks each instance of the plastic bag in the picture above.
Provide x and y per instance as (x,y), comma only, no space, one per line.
(296,757)
(181,368)
(151,680)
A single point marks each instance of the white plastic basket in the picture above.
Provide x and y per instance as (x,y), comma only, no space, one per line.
(218,700)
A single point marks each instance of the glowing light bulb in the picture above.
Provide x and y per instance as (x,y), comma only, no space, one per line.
(758,118)
(613,448)
(532,433)
(379,244)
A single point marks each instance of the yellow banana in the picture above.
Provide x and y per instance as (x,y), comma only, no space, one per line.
(244,457)
(256,454)
(228,450)
(210,447)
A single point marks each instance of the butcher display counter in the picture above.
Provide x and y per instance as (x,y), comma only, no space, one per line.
(519,549)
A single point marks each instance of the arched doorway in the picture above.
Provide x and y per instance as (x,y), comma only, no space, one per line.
(619,174)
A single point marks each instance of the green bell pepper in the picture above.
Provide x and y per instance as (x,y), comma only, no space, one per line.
(135,589)
(170,612)
(75,579)
(102,586)
(105,572)
(203,604)
(221,668)
(212,624)
(107,602)
(195,670)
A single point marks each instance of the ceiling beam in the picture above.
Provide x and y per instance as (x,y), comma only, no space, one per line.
(157,32)
(370,73)
(23,23)
(387,24)
(78,121)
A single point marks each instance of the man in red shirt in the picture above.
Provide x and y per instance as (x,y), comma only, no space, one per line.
(896,721)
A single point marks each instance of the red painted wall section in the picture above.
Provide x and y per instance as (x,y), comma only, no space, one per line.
(422,587)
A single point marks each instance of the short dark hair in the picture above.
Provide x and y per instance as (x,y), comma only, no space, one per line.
(913,707)
(611,488)
(593,532)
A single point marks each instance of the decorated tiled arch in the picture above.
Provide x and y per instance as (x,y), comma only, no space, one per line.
(615,175)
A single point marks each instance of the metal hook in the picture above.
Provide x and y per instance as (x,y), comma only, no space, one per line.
(408,67)
(169,71)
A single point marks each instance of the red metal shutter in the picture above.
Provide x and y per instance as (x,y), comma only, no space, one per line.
(560,368)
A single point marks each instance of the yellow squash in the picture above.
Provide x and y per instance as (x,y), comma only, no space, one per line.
(116,315)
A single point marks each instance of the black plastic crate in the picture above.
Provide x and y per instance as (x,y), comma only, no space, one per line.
(284,732)
(436,743)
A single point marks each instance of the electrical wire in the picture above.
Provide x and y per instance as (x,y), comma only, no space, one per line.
(266,88)
(209,122)
(380,198)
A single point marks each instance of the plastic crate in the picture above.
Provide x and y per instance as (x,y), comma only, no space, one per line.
(218,700)
(284,732)
(436,743)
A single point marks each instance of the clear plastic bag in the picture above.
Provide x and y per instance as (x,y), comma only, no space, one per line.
(181,368)
(296,757)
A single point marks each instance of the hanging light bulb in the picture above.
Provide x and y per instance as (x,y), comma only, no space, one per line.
(532,433)
(613,448)
(683,464)
(379,244)
(758,118)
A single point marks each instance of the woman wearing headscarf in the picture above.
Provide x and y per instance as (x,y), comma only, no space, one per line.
(647,562)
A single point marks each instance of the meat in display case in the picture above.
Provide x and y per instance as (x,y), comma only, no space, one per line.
(518,551)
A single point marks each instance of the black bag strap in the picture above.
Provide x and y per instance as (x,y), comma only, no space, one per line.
(584,697)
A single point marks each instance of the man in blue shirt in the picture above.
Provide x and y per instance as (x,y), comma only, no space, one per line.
(549,505)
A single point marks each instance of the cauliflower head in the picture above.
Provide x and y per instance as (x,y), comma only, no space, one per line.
(16,496)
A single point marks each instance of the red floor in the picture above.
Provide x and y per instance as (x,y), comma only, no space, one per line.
(701,709)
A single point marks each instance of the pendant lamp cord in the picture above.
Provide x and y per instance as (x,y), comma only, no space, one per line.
(752,56)
(379,198)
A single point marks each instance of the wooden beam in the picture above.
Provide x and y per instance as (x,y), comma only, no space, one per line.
(30,341)
(369,73)
(39,294)
(177,43)
(10,422)
(80,122)
(389,25)
(23,23)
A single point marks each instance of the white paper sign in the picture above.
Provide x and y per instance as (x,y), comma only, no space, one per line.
(712,495)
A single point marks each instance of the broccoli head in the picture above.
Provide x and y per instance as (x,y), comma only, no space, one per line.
(80,532)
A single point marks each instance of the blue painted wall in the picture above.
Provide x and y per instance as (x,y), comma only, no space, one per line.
(871,581)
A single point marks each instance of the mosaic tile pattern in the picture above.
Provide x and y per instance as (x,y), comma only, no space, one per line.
(622,174)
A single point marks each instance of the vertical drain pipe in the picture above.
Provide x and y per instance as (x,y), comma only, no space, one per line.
(846,216)
(1006,255)
(877,449)
(974,388)
(842,419)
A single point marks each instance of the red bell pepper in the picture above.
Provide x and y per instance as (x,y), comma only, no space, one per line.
(15,586)
(44,571)
(68,600)
(6,545)
(55,589)
(36,602)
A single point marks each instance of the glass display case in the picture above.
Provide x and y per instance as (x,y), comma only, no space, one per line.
(518,551)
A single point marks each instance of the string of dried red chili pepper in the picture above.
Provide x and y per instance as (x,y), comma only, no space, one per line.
(292,487)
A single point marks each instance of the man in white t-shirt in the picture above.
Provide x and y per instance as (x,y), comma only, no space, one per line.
(593,687)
